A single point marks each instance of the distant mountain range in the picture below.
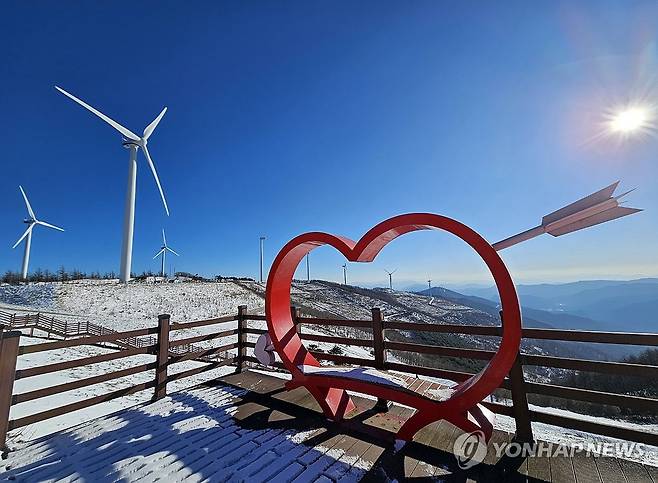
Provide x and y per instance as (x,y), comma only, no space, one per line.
(630,305)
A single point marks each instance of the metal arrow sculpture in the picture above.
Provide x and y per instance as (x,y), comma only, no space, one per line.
(591,210)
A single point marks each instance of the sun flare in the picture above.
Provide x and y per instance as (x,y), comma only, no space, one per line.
(631,120)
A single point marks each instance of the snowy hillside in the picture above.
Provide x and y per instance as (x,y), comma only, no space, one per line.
(135,305)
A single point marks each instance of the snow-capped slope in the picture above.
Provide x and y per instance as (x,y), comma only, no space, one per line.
(126,307)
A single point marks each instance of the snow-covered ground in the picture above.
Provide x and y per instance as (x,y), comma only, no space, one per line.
(134,305)
(190,436)
(71,419)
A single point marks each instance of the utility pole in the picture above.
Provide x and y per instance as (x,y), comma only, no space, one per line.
(345,273)
(308,269)
(262,240)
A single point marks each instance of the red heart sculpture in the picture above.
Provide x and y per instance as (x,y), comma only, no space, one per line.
(335,401)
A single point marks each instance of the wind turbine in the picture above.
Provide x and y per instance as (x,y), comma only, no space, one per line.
(32,221)
(132,142)
(163,252)
(390,278)
(344,273)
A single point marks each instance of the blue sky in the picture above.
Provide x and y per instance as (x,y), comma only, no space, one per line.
(286,117)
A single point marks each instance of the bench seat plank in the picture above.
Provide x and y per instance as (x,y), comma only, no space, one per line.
(382,378)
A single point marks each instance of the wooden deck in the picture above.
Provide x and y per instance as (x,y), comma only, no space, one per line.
(247,427)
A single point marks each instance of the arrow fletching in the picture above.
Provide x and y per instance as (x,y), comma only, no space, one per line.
(591,210)
(602,217)
(583,203)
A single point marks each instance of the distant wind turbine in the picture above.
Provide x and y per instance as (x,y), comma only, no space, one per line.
(344,273)
(31,222)
(163,253)
(132,142)
(390,278)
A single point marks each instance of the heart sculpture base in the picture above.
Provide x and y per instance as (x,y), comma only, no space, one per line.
(329,385)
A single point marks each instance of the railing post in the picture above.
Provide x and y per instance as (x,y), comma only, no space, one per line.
(242,337)
(378,338)
(296,314)
(519,400)
(9,342)
(520,403)
(162,357)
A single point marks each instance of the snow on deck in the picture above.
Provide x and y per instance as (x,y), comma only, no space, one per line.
(189,436)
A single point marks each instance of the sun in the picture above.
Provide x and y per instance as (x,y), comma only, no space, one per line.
(631,120)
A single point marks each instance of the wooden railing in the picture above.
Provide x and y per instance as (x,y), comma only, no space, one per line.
(516,382)
(166,351)
(65,329)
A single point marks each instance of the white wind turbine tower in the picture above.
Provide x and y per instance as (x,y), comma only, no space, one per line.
(163,253)
(32,221)
(390,278)
(132,142)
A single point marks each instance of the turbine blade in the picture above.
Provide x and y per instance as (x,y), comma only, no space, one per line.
(607,215)
(169,249)
(155,175)
(126,132)
(27,203)
(158,254)
(164,240)
(29,229)
(43,223)
(581,204)
(148,130)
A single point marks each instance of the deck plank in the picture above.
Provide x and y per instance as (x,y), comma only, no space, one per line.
(562,469)
(609,469)
(634,472)
(421,468)
(653,472)
(585,468)
(539,468)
